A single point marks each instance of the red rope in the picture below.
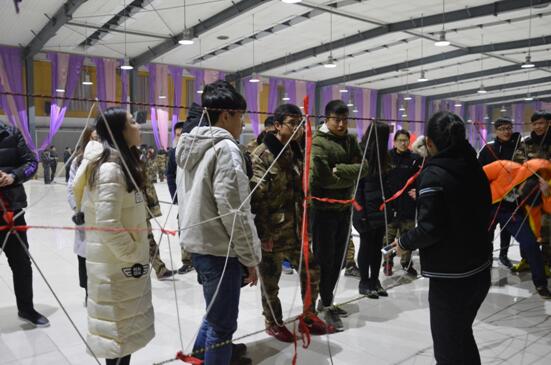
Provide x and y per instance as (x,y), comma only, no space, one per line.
(354,203)
(402,190)
(188,358)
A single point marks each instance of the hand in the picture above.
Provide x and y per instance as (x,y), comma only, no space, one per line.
(412,194)
(544,187)
(252,279)
(5,179)
(396,247)
(268,245)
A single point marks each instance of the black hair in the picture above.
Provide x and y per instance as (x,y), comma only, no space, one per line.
(221,96)
(379,138)
(445,129)
(285,110)
(502,121)
(269,122)
(540,114)
(116,118)
(337,107)
(401,132)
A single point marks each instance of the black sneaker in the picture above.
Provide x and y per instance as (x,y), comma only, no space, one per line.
(167,275)
(352,271)
(380,290)
(410,270)
(34,318)
(241,361)
(341,312)
(363,288)
(544,292)
(372,294)
(505,262)
(332,318)
(185,269)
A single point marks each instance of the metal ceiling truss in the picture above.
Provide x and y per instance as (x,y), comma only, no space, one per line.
(214,21)
(494,8)
(58,20)
(509,98)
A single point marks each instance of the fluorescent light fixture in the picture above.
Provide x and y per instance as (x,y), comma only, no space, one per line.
(481,90)
(59,90)
(528,63)
(343,90)
(350,104)
(401,109)
(330,62)
(286,97)
(422,77)
(503,110)
(254,79)
(187,38)
(486,117)
(404,115)
(162,96)
(87,80)
(442,41)
(199,91)
(355,110)
(458,105)
(528,97)
(126,65)
(407,98)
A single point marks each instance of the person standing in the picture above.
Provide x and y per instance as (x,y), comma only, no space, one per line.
(277,203)
(53,162)
(17,165)
(371,222)
(66,161)
(336,162)
(504,147)
(161,164)
(214,207)
(453,214)
(151,165)
(403,165)
(108,189)
(46,166)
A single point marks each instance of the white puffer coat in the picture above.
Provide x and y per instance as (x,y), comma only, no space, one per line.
(120,314)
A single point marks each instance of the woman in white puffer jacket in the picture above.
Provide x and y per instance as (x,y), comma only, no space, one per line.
(120,314)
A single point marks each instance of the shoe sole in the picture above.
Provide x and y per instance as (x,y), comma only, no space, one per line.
(34,324)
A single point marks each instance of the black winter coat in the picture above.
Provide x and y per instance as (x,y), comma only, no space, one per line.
(370,197)
(171,174)
(15,158)
(453,214)
(503,150)
(402,167)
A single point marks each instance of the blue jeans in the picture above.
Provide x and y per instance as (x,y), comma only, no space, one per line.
(519,227)
(221,321)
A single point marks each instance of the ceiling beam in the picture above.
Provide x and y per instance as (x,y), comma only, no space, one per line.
(494,8)
(511,85)
(521,43)
(506,98)
(115,22)
(59,19)
(296,19)
(203,26)
(132,32)
(459,77)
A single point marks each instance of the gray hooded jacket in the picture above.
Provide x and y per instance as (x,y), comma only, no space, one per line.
(212,182)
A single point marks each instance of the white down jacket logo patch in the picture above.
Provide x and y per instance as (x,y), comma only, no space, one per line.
(136,271)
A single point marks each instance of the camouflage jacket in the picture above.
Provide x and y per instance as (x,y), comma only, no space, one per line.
(533,146)
(277,202)
(152,199)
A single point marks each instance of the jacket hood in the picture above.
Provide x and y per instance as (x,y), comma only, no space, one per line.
(199,141)
(93,150)
(324,131)
(456,159)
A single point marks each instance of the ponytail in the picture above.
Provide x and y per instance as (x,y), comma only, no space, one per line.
(446,129)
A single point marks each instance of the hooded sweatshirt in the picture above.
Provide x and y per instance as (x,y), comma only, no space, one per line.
(453,210)
(213,197)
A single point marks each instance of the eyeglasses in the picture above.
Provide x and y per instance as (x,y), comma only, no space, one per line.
(402,141)
(504,129)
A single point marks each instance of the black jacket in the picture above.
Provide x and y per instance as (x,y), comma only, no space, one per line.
(15,158)
(171,174)
(402,167)
(453,214)
(501,150)
(370,197)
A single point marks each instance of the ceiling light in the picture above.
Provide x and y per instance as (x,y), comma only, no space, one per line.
(162,96)
(422,77)
(442,41)
(187,38)
(481,90)
(286,97)
(350,104)
(401,109)
(126,65)
(254,79)
(407,98)
(330,62)
(87,80)
(301,107)
(503,110)
(355,110)
(486,117)
(458,105)
(59,90)
(528,63)
(291,1)
(199,91)
(404,115)
(343,90)
(528,97)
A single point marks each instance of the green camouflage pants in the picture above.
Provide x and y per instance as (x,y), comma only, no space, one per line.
(350,255)
(270,272)
(154,256)
(395,229)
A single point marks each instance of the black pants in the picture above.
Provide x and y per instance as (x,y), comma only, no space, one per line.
(67,171)
(54,169)
(453,306)
(82,274)
(504,240)
(20,265)
(118,361)
(330,231)
(370,255)
(47,173)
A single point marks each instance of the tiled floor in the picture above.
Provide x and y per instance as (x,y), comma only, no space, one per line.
(513,326)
